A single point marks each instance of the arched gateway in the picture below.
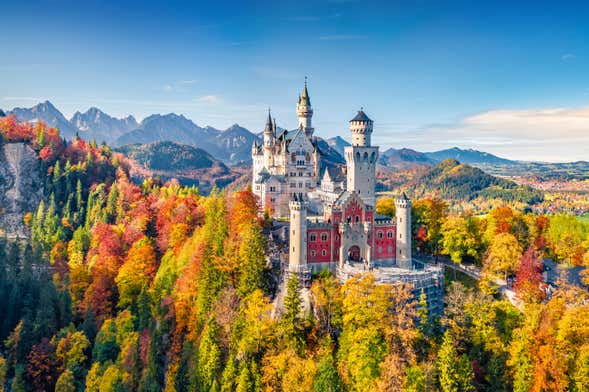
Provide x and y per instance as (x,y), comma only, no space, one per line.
(354,253)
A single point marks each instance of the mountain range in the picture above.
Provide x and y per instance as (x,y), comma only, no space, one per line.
(232,145)
(469,156)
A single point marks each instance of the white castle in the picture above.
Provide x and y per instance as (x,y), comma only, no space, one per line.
(332,222)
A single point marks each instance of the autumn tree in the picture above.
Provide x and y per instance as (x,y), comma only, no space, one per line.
(504,255)
(528,278)
(455,371)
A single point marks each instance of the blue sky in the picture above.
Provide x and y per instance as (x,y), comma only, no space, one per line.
(504,78)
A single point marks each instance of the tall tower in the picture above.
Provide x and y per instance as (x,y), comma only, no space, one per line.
(268,142)
(297,255)
(361,159)
(305,111)
(403,241)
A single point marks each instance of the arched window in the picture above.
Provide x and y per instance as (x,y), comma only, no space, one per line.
(313,253)
(390,234)
(323,236)
(357,219)
(365,156)
(313,237)
(323,252)
(379,234)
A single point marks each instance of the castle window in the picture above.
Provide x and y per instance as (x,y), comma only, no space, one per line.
(323,236)
(323,252)
(379,234)
(313,253)
(390,234)
(313,237)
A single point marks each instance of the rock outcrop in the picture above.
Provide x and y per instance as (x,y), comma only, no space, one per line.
(21,187)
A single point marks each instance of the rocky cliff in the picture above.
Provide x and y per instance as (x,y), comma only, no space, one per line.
(21,187)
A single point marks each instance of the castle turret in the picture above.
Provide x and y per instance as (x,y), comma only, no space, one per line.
(297,259)
(361,128)
(361,159)
(305,111)
(403,241)
(268,142)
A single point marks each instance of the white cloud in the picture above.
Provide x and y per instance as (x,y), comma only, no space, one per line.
(179,86)
(209,99)
(546,134)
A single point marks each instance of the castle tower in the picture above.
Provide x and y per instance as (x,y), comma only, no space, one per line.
(305,111)
(361,159)
(403,241)
(297,255)
(268,142)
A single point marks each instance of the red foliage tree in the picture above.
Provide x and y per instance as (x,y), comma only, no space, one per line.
(41,367)
(528,278)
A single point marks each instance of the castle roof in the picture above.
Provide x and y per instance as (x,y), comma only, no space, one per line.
(361,116)
(333,174)
(305,99)
(404,197)
(268,127)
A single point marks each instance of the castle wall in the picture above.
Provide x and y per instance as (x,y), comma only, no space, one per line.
(384,242)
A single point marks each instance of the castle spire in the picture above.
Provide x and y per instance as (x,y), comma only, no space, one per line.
(268,127)
(304,98)
(305,111)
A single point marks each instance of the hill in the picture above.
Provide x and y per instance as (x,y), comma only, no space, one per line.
(167,160)
(469,156)
(452,180)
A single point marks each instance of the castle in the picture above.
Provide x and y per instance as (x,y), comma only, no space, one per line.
(332,222)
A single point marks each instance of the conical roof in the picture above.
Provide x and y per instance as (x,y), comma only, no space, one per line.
(361,116)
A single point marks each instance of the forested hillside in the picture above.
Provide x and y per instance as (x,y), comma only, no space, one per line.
(189,165)
(126,287)
(457,182)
